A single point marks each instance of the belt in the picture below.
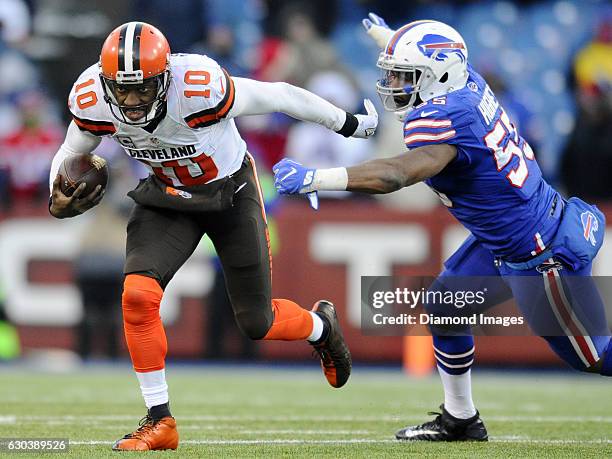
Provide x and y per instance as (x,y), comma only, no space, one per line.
(540,258)
(528,264)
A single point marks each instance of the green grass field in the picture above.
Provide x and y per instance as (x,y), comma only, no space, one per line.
(256,412)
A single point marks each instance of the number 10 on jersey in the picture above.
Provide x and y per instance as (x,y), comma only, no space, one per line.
(197,78)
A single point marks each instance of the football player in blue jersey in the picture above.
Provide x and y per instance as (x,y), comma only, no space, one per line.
(463,145)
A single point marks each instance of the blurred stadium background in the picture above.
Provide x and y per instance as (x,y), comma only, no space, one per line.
(550,63)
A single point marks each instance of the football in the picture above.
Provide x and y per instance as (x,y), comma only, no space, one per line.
(77,169)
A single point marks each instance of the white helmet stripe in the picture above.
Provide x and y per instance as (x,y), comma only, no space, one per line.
(129,47)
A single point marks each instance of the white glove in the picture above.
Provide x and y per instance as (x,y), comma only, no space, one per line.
(367,123)
(377,28)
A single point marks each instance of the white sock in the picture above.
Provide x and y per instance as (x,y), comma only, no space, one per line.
(317,327)
(458,394)
(154,388)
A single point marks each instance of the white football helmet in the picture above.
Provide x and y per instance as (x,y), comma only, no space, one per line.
(422,60)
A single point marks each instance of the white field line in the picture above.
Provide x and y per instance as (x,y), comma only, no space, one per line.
(255,442)
(117,427)
(521,440)
(86,419)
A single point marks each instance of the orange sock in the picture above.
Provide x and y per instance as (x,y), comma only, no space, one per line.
(144,332)
(291,322)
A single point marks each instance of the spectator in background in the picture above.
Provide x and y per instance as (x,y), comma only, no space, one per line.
(233,34)
(304,51)
(300,53)
(587,160)
(312,144)
(181,20)
(14,21)
(324,15)
(17,74)
(25,153)
(18,120)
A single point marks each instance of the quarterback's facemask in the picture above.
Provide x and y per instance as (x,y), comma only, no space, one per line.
(136,103)
(135,54)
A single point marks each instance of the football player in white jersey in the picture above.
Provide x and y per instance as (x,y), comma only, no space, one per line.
(174,113)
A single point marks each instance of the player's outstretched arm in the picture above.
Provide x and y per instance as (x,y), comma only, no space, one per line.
(377,29)
(391,174)
(60,205)
(257,98)
(378,176)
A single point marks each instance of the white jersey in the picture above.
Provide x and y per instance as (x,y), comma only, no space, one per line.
(195,142)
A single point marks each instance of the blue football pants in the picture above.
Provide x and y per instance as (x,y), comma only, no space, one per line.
(562,306)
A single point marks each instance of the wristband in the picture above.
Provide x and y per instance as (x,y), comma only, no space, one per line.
(335,179)
(350,125)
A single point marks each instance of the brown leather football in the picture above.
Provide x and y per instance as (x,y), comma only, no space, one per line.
(76,169)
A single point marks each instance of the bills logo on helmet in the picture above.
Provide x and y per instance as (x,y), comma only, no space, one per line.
(590,226)
(440,47)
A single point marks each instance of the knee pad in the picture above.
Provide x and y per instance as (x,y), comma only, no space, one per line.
(253,323)
(141,299)
(144,332)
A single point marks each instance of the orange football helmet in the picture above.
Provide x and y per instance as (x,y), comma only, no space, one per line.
(133,53)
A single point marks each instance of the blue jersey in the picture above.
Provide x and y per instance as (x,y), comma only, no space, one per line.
(494,186)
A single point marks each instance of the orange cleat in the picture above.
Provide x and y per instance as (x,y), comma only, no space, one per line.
(333,351)
(151,435)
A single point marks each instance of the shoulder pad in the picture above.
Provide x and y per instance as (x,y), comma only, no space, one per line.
(205,90)
(87,106)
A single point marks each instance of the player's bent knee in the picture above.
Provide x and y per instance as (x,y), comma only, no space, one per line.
(578,365)
(141,299)
(254,324)
(604,365)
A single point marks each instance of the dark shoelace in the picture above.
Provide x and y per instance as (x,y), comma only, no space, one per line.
(145,425)
(434,423)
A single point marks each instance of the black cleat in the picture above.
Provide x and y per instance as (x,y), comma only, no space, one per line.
(446,427)
(333,351)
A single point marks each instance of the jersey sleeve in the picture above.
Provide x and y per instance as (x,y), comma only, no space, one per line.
(437,122)
(206,91)
(259,97)
(86,104)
